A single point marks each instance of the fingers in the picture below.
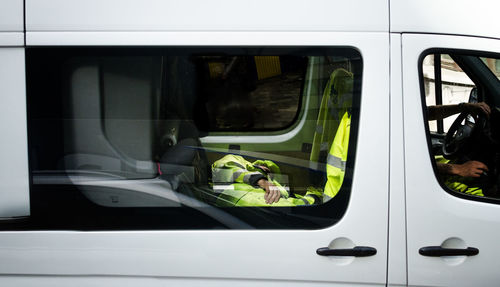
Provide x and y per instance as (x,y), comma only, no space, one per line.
(476,173)
(481,107)
(482,166)
(272,194)
(264,168)
(476,168)
(484,108)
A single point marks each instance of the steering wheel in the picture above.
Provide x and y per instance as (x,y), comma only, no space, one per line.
(461,132)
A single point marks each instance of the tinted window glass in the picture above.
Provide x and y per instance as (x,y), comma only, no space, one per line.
(181,138)
(493,64)
(455,87)
(462,96)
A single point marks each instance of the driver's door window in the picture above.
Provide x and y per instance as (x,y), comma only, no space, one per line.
(445,84)
(463,123)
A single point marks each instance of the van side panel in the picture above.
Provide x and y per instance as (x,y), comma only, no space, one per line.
(14,191)
(474,18)
(11,16)
(218,15)
(11,23)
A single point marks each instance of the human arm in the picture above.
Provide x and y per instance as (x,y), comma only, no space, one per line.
(234,169)
(468,169)
(444,111)
(272,194)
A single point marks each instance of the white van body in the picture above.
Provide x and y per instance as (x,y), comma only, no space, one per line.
(396,205)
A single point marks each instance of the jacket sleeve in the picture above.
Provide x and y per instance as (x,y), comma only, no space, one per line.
(235,169)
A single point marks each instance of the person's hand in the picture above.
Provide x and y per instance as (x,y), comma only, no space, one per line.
(272,194)
(469,169)
(478,108)
(264,168)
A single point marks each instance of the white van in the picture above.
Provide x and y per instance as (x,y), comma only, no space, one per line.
(117,116)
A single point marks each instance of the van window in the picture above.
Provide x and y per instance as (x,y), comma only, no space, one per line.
(455,87)
(191,137)
(462,96)
(493,64)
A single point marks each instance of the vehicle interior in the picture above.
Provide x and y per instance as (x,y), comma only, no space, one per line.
(120,135)
(471,135)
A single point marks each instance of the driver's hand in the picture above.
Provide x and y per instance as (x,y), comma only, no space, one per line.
(478,108)
(272,194)
(469,169)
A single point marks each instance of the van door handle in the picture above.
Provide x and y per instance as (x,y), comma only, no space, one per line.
(438,251)
(358,251)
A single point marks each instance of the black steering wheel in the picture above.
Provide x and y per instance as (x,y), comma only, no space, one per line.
(461,133)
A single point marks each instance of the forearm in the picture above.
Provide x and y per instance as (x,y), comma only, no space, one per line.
(445,168)
(441,112)
(468,169)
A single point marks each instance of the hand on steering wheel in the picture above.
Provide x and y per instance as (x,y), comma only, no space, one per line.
(459,135)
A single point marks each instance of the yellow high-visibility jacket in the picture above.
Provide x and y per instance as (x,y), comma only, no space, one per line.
(235,183)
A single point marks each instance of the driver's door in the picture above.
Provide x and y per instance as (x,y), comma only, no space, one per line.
(438,217)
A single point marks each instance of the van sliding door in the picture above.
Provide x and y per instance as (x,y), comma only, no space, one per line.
(14,191)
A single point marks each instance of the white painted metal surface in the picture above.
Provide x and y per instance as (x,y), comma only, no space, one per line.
(217,15)
(11,16)
(184,38)
(433,215)
(460,17)
(14,189)
(121,281)
(396,273)
(391,134)
(11,23)
(11,39)
(267,255)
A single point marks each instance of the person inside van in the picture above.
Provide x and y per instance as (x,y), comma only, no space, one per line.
(457,172)
(470,168)
(239,182)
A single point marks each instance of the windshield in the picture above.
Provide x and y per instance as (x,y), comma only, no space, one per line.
(493,64)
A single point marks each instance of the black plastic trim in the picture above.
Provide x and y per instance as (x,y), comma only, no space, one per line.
(358,251)
(438,251)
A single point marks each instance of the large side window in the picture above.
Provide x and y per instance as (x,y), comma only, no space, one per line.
(462,96)
(127,138)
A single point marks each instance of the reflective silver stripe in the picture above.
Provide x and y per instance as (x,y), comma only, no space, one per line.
(335,162)
(246,178)
(317,166)
(326,198)
(225,175)
(238,173)
(222,175)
